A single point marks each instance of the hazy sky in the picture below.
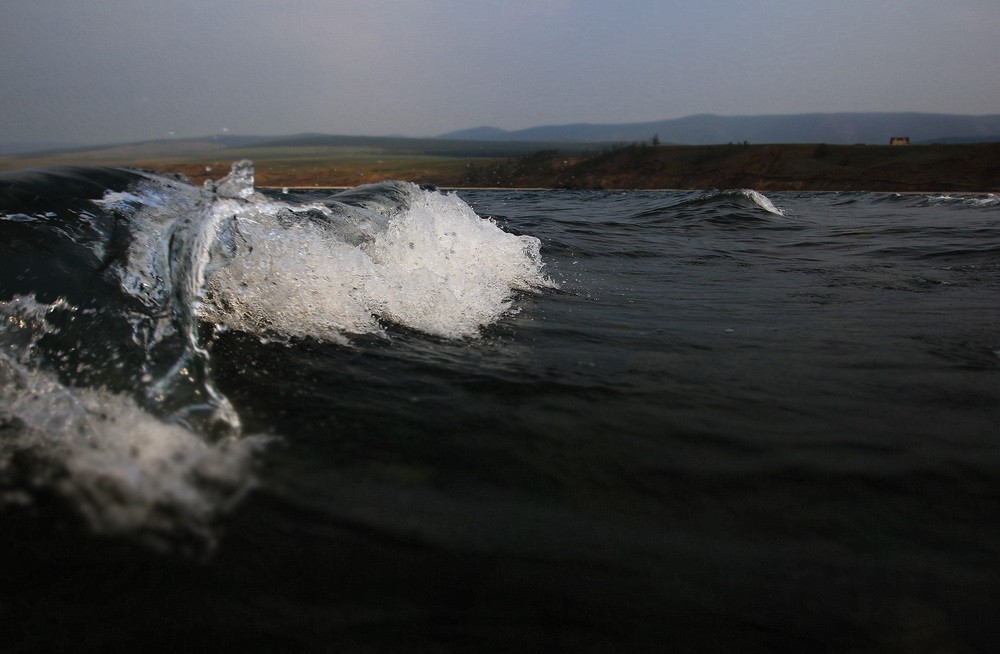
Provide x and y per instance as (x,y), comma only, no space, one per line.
(103,70)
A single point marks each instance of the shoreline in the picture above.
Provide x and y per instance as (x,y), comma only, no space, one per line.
(813,168)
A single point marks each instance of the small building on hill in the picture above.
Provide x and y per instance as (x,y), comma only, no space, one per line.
(899,140)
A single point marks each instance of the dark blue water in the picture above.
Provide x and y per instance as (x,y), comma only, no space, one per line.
(372,421)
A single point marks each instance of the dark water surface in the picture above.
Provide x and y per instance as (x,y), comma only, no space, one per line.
(733,423)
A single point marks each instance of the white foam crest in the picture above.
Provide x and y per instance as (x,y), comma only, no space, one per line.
(436,267)
(290,280)
(990,200)
(121,468)
(442,269)
(763,202)
(987,200)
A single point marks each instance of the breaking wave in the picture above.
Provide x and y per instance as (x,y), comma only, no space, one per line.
(112,281)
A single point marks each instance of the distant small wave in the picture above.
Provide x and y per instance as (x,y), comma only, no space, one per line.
(741,197)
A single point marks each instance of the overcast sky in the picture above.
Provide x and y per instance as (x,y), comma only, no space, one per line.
(112,70)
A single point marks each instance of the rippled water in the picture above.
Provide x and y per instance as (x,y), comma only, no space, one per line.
(582,421)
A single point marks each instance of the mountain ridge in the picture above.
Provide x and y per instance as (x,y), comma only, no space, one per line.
(705,129)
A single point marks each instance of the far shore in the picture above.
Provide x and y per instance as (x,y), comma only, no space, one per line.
(951,168)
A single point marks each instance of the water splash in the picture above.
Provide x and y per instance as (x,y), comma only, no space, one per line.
(122,469)
(179,233)
(380,253)
(150,445)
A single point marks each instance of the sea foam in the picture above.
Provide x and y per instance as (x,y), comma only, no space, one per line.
(122,469)
(425,261)
(163,456)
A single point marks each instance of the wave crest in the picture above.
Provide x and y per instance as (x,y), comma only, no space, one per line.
(432,265)
(107,393)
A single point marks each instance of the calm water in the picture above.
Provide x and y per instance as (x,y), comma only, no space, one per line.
(396,420)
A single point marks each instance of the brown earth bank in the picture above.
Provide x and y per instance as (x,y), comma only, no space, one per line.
(767,167)
(777,167)
(792,167)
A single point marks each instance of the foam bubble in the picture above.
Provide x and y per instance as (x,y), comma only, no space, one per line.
(22,323)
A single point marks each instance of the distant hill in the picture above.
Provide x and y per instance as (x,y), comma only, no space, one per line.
(705,129)
(17,147)
(480,134)
(454,147)
(269,146)
(156,147)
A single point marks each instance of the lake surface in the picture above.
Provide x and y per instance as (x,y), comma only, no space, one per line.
(392,419)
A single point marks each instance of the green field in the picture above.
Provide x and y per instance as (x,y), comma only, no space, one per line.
(308,160)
